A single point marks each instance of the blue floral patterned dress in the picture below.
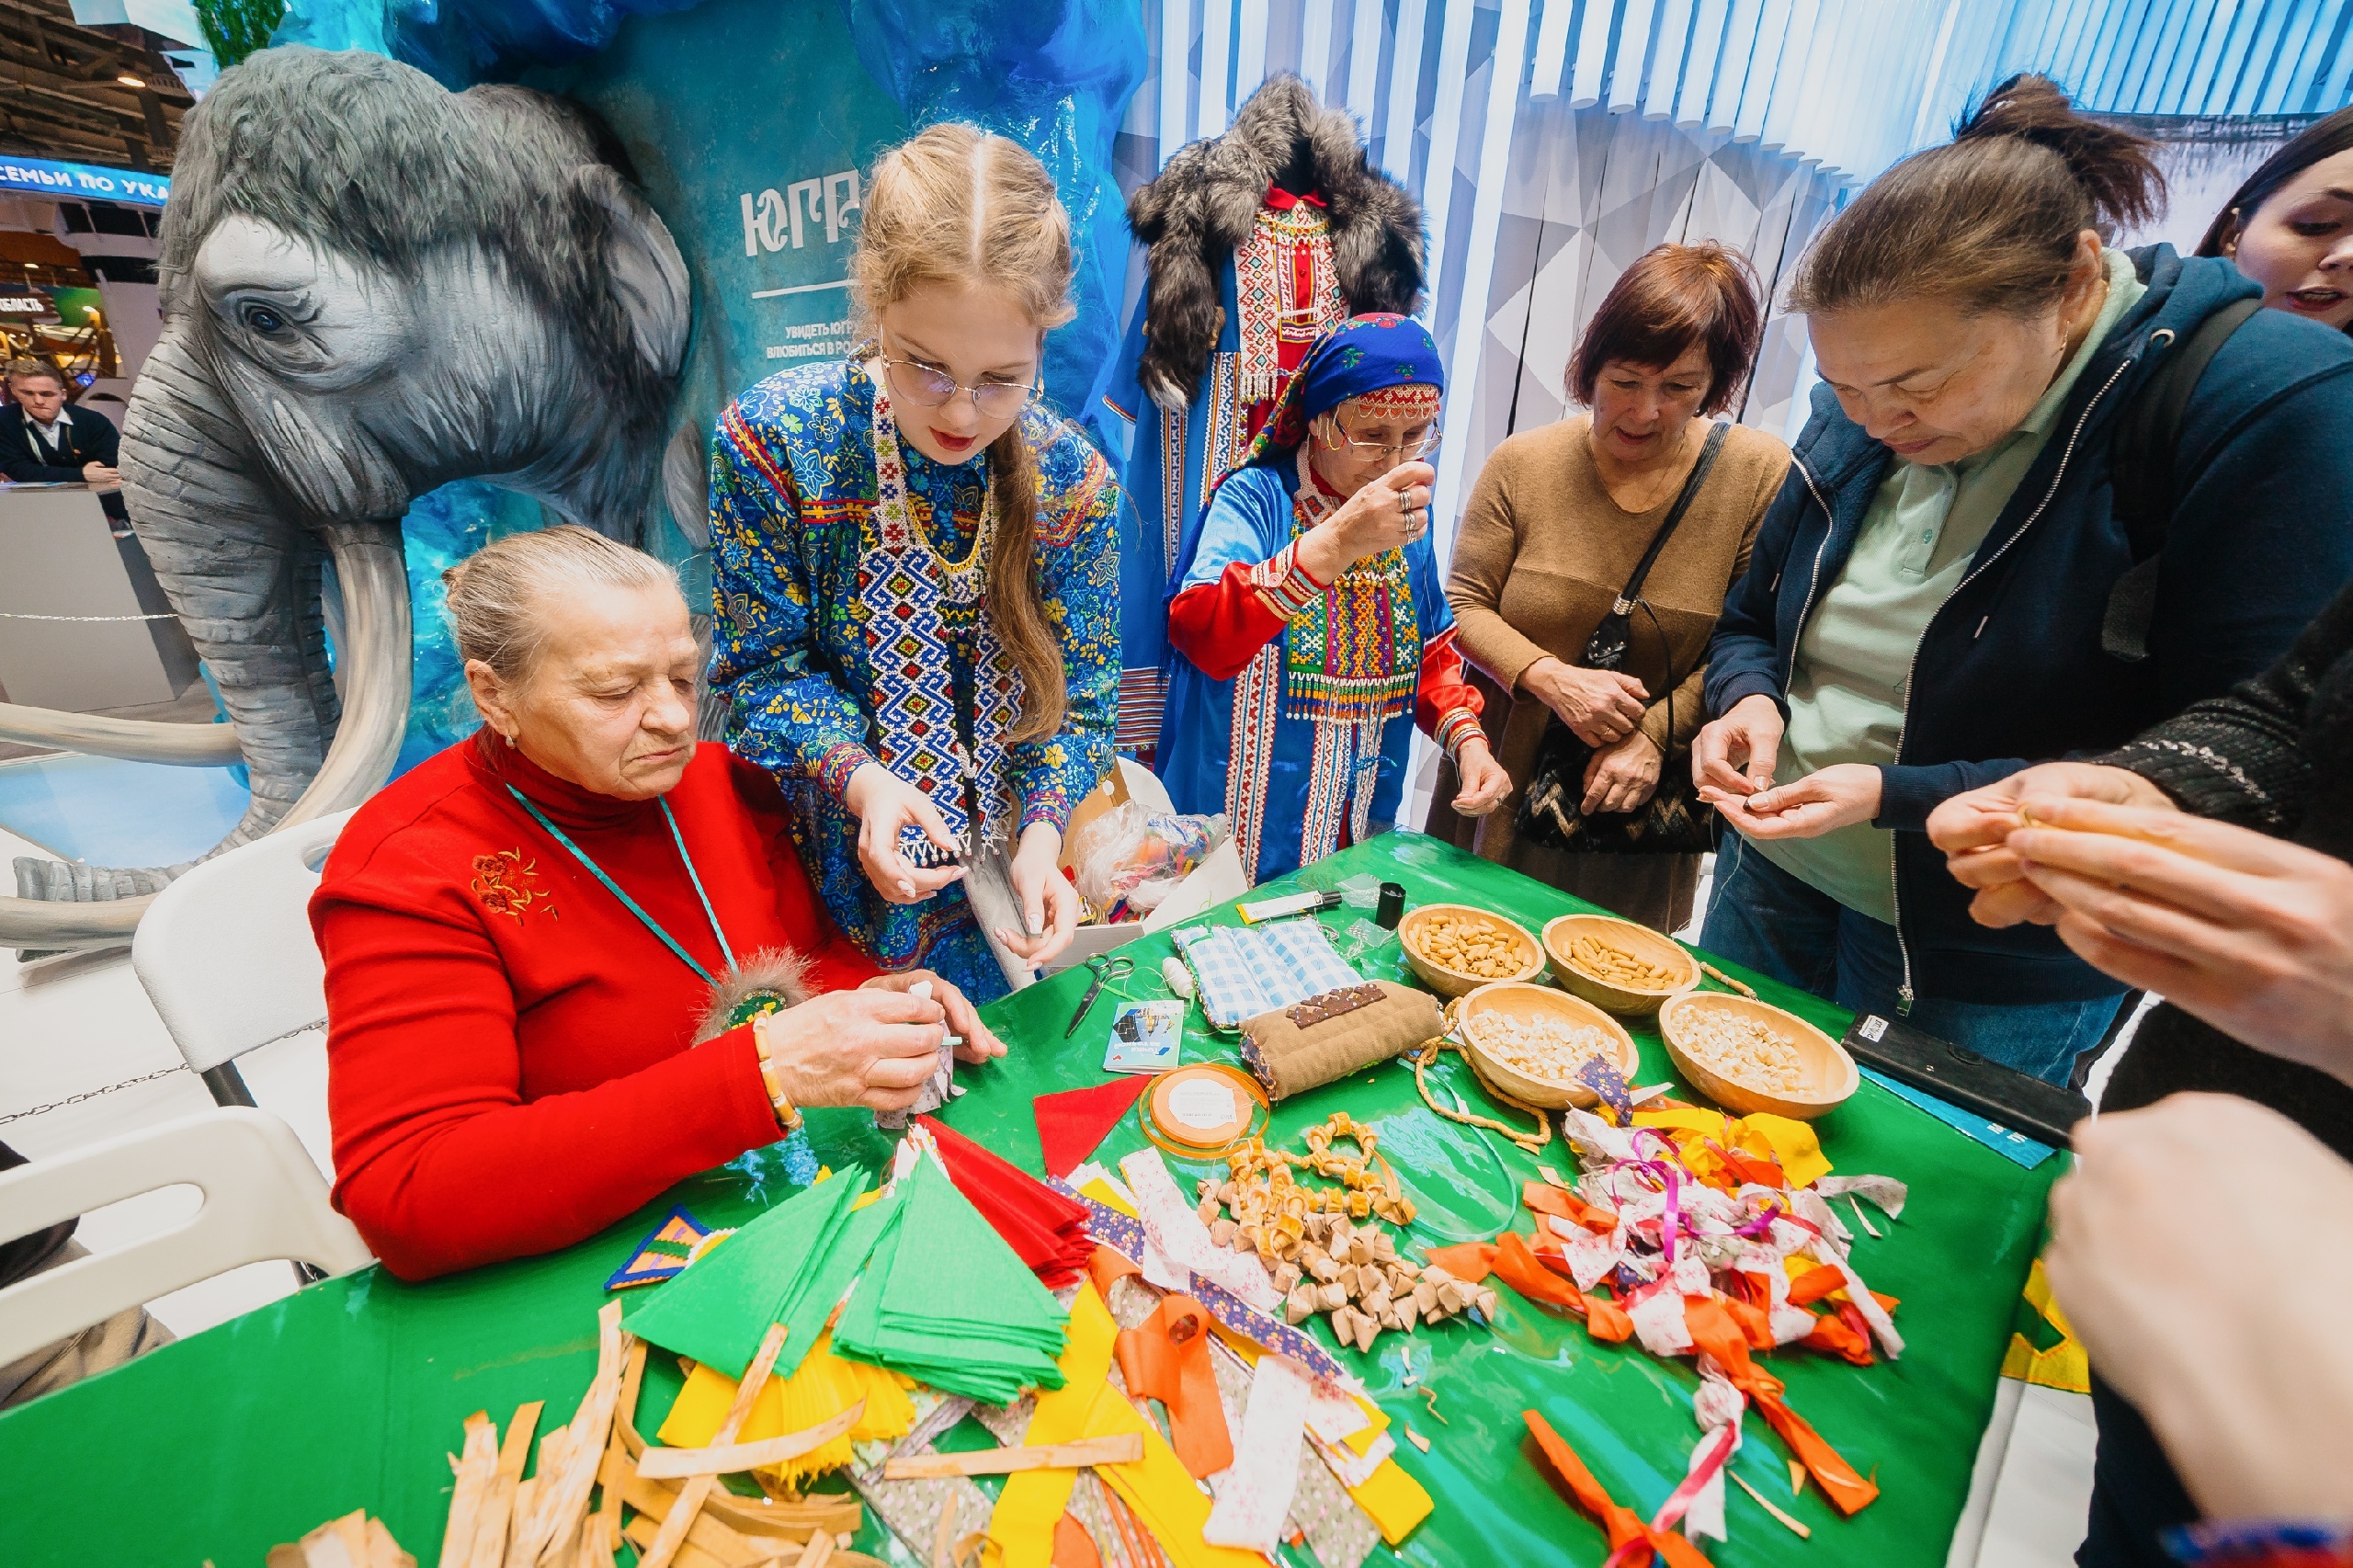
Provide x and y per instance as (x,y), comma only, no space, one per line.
(815,687)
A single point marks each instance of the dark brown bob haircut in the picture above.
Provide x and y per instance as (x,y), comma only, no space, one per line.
(1988,222)
(1672,296)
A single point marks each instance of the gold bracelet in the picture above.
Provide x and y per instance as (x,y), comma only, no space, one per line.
(786,1117)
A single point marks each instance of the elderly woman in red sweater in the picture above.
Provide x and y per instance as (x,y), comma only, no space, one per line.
(536,942)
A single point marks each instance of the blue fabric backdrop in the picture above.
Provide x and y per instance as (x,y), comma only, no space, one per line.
(751,132)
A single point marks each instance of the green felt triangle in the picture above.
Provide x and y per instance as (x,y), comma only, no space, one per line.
(850,1250)
(720,1309)
(861,1321)
(947,1303)
(960,1269)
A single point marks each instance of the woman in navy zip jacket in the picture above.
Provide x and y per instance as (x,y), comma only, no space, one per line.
(1924,611)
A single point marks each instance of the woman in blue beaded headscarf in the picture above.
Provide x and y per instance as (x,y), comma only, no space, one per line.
(1306,617)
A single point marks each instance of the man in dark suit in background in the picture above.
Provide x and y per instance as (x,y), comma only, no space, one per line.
(42,441)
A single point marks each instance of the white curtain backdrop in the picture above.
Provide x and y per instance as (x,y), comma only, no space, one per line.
(1552,142)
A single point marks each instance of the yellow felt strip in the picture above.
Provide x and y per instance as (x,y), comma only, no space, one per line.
(1394,1500)
(1162,1493)
(1075,1456)
(1794,1145)
(1021,1527)
(1103,1193)
(821,1389)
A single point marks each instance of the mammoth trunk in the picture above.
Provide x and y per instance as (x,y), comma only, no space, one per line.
(245,579)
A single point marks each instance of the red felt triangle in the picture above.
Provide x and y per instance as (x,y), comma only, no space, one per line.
(1045,1230)
(1072,1124)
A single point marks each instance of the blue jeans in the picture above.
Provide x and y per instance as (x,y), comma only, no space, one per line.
(1760,915)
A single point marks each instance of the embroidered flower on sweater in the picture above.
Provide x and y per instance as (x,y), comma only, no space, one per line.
(508,884)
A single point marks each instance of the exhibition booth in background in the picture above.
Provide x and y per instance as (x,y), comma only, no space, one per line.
(689,234)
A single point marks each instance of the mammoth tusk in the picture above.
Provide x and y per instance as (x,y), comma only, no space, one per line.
(39,924)
(376,673)
(132,740)
(373,667)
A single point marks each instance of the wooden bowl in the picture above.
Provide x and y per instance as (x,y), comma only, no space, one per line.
(1459,982)
(1524,999)
(1627,936)
(1830,1074)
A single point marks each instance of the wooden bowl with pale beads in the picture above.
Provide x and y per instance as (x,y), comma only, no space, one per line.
(1525,1000)
(1826,1074)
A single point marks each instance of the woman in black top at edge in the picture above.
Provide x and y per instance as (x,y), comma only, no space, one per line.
(2249,939)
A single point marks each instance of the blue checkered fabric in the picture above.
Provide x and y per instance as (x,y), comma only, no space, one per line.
(1245,971)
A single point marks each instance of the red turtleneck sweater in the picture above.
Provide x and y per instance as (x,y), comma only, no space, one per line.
(507,1061)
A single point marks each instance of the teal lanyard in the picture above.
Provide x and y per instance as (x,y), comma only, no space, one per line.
(631,904)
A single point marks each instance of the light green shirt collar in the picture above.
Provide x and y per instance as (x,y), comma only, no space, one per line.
(2125,291)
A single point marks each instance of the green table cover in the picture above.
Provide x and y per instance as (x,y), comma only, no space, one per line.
(348,1395)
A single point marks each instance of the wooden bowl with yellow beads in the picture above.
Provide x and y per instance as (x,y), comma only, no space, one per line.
(1456,947)
(1619,965)
(1503,1028)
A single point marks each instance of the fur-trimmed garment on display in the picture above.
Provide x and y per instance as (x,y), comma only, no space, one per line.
(1259,241)
(1206,200)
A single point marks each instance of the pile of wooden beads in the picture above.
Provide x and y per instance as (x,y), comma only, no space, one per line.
(1618,967)
(1355,1275)
(1745,1050)
(1544,1046)
(1269,1207)
(1469,944)
(1320,1259)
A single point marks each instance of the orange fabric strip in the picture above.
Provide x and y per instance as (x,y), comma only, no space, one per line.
(1622,1524)
(1755,1323)
(1749,1169)
(1470,1262)
(1606,1321)
(1542,1198)
(1519,1264)
(1815,1284)
(1519,1267)
(1166,1358)
(1107,1265)
(1074,1548)
(1712,1330)
(1834,1335)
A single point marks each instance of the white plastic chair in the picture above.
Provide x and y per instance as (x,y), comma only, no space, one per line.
(263,1200)
(226,955)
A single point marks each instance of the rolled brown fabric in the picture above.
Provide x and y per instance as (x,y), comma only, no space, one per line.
(1326,1038)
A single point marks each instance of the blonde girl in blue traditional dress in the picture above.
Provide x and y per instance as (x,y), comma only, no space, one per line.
(915,569)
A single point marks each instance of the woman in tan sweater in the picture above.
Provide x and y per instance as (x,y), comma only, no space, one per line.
(1558,521)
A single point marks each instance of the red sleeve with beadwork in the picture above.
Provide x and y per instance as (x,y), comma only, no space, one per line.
(1446,707)
(1222,625)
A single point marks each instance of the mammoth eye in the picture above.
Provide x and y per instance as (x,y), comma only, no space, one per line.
(264,320)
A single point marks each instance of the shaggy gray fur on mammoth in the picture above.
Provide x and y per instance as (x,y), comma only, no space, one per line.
(370,287)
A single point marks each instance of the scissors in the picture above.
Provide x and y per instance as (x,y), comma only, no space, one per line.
(1103,968)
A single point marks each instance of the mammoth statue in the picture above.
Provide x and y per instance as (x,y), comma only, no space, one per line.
(372,287)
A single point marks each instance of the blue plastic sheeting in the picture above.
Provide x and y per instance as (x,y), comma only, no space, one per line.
(119,814)
(465,42)
(1054,76)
